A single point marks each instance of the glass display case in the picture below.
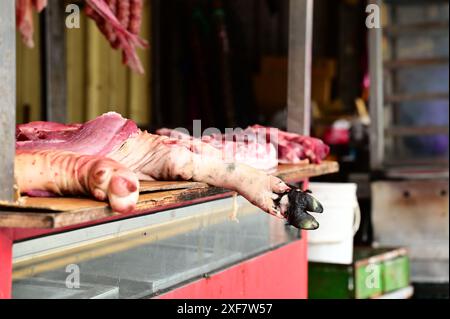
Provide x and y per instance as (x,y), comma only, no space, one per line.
(141,257)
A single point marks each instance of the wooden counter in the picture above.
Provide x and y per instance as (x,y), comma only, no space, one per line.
(51,213)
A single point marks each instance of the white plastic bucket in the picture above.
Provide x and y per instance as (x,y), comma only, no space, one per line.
(333,241)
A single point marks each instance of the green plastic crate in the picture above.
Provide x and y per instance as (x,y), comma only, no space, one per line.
(330,281)
(368,280)
(374,272)
(395,274)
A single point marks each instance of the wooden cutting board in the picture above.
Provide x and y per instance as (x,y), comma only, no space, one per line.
(158,186)
(79,203)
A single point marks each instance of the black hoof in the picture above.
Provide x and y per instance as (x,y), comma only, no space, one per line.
(299,204)
(313,205)
(303,221)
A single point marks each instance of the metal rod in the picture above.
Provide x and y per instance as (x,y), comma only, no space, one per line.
(156,62)
(7,98)
(54,63)
(376,96)
(300,60)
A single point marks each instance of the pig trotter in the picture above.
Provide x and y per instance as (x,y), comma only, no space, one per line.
(295,206)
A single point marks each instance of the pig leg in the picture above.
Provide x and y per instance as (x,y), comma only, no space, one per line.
(256,186)
(161,158)
(64,173)
(267,192)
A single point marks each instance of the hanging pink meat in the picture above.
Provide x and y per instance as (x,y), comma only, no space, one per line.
(39,4)
(24,18)
(120,22)
(136,7)
(109,33)
(118,27)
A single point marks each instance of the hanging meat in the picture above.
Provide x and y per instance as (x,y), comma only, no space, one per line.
(117,152)
(24,18)
(120,22)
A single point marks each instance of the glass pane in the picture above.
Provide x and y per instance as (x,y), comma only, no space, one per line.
(148,267)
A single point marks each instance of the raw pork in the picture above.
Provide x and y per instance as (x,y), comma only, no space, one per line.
(48,173)
(293,148)
(152,157)
(119,20)
(24,18)
(261,147)
(233,148)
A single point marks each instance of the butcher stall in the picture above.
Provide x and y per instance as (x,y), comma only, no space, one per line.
(180,238)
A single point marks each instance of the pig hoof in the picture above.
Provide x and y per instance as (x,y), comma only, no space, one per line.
(297,204)
(303,221)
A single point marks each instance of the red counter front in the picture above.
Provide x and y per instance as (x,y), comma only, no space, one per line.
(278,274)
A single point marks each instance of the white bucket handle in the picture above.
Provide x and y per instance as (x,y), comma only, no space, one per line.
(357,219)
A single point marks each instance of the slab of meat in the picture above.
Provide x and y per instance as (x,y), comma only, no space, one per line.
(24,18)
(237,148)
(41,130)
(256,146)
(156,157)
(97,137)
(293,148)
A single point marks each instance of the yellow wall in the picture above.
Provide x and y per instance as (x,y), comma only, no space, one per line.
(28,79)
(97,82)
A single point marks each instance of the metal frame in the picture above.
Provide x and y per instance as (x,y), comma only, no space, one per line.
(53,57)
(381,102)
(7,132)
(54,82)
(7,98)
(300,64)
(376,96)
(156,61)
